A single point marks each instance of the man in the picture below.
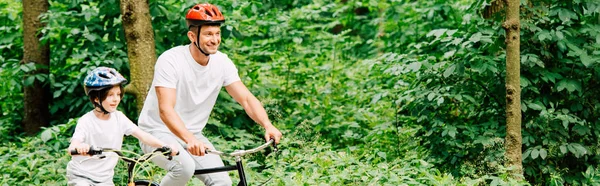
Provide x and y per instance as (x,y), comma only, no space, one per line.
(187,81)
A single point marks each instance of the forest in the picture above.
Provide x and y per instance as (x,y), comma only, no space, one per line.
(365,92)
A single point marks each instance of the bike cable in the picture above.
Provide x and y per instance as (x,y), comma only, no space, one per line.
(276,152)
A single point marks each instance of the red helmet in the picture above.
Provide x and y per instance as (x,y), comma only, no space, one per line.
(204,14)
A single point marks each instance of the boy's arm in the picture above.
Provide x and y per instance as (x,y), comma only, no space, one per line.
(148,139)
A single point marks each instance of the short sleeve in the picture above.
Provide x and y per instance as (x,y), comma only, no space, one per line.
(230,73)
(127,126)
(80,131)
(165,74)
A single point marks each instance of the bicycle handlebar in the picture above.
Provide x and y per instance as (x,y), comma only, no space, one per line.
(166,151)
(244,152)
(238,153)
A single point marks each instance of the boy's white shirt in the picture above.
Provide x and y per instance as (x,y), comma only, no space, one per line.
(99,133)
(197,88)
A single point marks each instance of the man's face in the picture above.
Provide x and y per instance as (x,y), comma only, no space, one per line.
(210,38)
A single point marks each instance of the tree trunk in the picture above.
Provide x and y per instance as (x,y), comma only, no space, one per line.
(140,47)
(493,8)
(37,95)
(513,88)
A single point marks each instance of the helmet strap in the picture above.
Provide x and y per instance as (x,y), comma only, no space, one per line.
(101,108)
(197,43)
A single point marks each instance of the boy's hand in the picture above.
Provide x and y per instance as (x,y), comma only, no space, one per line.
(174,150)
(81,148)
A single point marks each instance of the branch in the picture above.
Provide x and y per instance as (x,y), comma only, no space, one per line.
(130,89)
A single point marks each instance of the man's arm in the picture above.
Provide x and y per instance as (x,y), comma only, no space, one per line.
(253,108)
(166,104)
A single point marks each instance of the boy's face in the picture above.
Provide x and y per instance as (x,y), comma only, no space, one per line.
(113,98)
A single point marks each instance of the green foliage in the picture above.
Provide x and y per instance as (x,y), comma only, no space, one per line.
(453,82)
(10,74)
(366,92)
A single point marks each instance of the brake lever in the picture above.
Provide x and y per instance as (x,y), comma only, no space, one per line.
(274,145)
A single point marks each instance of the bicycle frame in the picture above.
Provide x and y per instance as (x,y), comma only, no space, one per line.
(238,161)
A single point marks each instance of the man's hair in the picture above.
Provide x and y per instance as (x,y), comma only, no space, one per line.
(194,28)
(103,93)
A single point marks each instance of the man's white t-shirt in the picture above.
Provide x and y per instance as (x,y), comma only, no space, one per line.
(197,88)
(99,133)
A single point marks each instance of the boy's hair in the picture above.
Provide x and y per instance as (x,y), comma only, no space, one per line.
(101,94)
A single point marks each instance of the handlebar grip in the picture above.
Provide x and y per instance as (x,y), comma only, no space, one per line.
(92,151)
(73,152)
(166,151)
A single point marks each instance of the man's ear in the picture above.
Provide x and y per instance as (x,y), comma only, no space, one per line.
(191,36)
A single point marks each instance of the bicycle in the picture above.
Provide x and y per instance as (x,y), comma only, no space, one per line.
(131,162)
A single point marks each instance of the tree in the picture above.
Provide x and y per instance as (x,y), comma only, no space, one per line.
(36,59)
(140,47)
(513,87)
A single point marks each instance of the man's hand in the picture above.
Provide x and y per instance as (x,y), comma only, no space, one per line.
(272,132)
(196,147)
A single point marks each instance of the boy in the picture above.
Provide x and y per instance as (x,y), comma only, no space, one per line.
(104,126)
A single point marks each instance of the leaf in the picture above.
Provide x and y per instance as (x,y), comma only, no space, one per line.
(451,32)
(564,15)
(526,154)
(581,129)
(569,84)
(57,94)
(376,98)
(559,35)
(449,54)
(576,149)
(574,48)
(46,135)
(91,37)
(382,155)
(544,35)
(75,31)
(563,149)
(437,32)
(118,63)
(543,153)
(440,100)
(475,37)
(536,106)
(415,66)
(535,153)
(29,81)
(297,40)
(585,59)
(430,96)
(452,132)
(449,71)
(580,149)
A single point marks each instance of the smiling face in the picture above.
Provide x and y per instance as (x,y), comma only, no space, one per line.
(112,100)
(210,37)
